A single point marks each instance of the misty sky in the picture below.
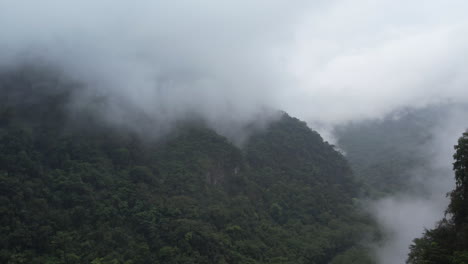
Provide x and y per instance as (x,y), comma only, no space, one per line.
(231,61)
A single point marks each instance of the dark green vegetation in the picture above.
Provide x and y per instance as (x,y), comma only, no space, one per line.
(73,190)
(448,242)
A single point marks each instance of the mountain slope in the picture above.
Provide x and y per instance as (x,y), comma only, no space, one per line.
(384,154)
(80,191)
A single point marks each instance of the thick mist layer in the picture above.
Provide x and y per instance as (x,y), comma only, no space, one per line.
(232,63)
(170,61)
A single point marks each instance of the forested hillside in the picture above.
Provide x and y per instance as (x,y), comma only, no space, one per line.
(76,190)
(448,242)
(384,153)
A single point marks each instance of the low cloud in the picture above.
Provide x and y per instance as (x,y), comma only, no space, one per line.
(232,62)
(211,59)
(365,59)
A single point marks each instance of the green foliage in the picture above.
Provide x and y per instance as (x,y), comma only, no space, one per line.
(353,256)
(85,193)
(459,197)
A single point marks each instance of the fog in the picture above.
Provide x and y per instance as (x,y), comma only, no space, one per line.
(404,216)
(213,59)
(364,59)
(235,63)
(231,62)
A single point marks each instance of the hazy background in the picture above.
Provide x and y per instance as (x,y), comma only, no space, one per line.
(233,63)
(405,214)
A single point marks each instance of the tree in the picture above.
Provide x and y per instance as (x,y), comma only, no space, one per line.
(459,196)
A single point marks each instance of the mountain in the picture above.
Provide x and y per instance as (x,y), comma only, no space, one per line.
(75,189)
(384,154)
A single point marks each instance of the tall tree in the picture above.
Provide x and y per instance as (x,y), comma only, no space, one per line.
(459,196)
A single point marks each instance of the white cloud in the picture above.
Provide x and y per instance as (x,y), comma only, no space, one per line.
(327,61)
(365,59)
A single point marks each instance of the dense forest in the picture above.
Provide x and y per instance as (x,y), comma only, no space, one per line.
(448,242)
(74,189)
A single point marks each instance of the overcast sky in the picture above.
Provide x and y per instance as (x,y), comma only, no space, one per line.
(361,59)
(230,61)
